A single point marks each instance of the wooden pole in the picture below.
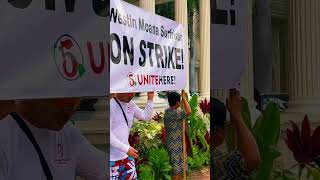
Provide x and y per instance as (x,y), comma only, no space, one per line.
(184,150)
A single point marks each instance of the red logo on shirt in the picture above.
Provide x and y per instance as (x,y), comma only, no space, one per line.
(60,159)
(60,150)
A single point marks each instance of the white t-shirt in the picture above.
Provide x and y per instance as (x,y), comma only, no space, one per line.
(67,153)
(119,130)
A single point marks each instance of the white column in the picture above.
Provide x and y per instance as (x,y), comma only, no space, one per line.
(304,56)
(204,49)
(148,5)
(159,104)
(181,16)
(221,94)
(246,85)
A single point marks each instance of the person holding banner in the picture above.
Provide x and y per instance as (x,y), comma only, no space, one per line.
(122,113)
(241,161)
(173,119)
(38,142)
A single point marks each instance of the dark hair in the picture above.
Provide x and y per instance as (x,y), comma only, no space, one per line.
(173,98)
(218,113)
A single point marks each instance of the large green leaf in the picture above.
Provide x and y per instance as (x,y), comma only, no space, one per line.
(315,172)
(146,172)
(270,125)
(257,126)
(194,104)
(269,154)
(203,140)
(159,162)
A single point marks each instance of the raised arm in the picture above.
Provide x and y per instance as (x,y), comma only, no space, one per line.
(246,142)
(145,114)
(185,103)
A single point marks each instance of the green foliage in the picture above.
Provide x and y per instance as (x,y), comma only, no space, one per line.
(160,164)
(193,19)
(315,173)
(270,125)
(199,158)
(283,175)
(149,133)
(166,9)
(146,172)
(197,124)
(267,132)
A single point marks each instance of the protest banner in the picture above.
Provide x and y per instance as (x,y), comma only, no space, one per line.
(147,51)
(52,49)
(228,43)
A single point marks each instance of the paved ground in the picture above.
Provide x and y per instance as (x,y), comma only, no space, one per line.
(201,174)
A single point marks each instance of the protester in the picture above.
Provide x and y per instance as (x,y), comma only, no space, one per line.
(173,119)
(240,162)
(38,142)
(122,113)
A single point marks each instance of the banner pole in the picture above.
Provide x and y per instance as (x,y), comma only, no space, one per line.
(184,149)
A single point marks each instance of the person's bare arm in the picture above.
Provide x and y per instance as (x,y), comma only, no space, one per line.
(185,103)
(246,143)
(146,113)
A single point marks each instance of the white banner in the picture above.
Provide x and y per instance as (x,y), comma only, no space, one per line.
(53,49)
(147,51)
(228,42)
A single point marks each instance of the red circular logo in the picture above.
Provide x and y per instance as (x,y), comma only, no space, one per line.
(68,58)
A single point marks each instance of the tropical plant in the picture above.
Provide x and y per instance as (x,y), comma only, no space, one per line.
(146,172)
(196,124)
(199,158)
(205,106)
(163,94)
(304,146)
(267,132)
(145,135)
(134,139)
(160,164)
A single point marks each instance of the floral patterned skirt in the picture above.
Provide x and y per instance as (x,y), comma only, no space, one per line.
(123,169)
